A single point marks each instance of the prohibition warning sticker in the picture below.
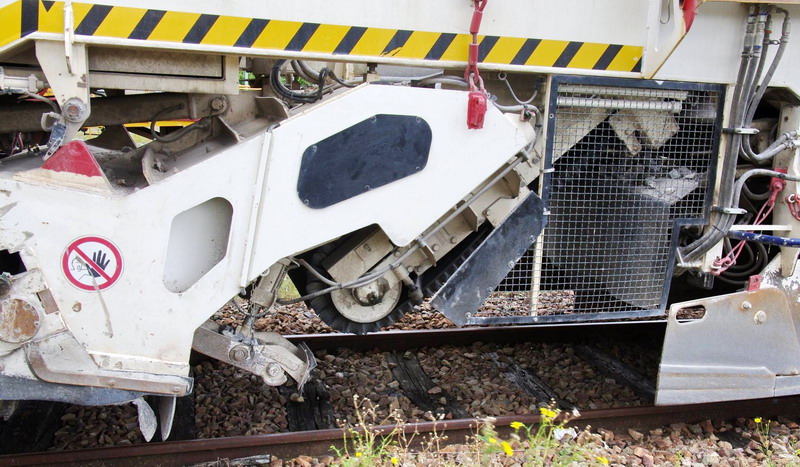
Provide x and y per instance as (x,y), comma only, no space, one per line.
(92,263)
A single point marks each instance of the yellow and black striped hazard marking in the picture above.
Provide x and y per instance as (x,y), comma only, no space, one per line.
(24,17)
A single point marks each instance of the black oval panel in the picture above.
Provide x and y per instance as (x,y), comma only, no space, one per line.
(375,152)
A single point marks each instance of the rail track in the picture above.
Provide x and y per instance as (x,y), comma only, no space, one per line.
(313,443)
(314,439)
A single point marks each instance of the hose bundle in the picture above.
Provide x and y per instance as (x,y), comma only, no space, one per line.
(746,97)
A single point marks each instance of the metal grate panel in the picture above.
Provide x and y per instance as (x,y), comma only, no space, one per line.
(630,162)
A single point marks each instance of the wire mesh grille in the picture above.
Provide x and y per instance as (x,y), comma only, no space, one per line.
(628,163)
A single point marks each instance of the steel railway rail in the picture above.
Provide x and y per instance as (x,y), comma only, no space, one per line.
(318,442)
(289,445)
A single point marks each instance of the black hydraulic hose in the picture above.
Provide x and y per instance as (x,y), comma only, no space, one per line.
(175,135)
(756,58)
(300,70)
(720,231)
(756,173)
(744,63)
(286,93)
(722,221)
(765,43)
(755,196)
(762,88)
(52,103)
(340,81)
(321,85)
(306,70)
(738,271)
(308,73)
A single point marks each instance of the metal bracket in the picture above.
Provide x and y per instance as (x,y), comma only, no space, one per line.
(69,81)
(83,371)
(485,267)
(166,415)
(146,417)
(266,289)
(69,35)
(267,355)
(746,346)
(731,211)
(426,249)
(740,131)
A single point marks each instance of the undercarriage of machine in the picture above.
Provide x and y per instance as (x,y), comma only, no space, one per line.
(154,164)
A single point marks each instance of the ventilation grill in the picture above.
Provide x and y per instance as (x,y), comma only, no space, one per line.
(630,163)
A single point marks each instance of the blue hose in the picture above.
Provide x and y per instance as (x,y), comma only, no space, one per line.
(765,239)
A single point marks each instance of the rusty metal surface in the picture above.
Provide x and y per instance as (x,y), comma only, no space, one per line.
(315,443)
(19,321)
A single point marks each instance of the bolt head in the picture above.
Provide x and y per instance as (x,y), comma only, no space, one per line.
(274,369)
(760,317)
(75,110)
(217,103)
(239,353)
(746,305)
(77,307)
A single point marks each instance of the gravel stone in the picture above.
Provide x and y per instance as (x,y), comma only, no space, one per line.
(232,402)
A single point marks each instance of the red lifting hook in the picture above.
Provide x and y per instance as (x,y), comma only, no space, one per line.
(689,12)
(476,101)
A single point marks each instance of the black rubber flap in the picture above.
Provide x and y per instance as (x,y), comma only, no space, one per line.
(483,270)
(375,152)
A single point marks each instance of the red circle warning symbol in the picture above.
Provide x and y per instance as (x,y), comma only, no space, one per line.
(92,263)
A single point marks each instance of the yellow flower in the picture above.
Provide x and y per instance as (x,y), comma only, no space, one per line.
(395,460)
(517,425)
(547,413)
(492,441)
(757,419)
(602,460)
(507,448)
(358,454)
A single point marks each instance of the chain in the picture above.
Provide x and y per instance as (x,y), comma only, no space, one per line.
(472,75)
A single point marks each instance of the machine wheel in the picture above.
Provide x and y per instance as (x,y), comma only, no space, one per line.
(431,280)
(327,310)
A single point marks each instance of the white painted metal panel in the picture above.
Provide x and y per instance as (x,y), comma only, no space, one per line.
(460,159)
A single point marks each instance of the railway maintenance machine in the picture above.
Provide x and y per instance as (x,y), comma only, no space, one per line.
(607,160)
